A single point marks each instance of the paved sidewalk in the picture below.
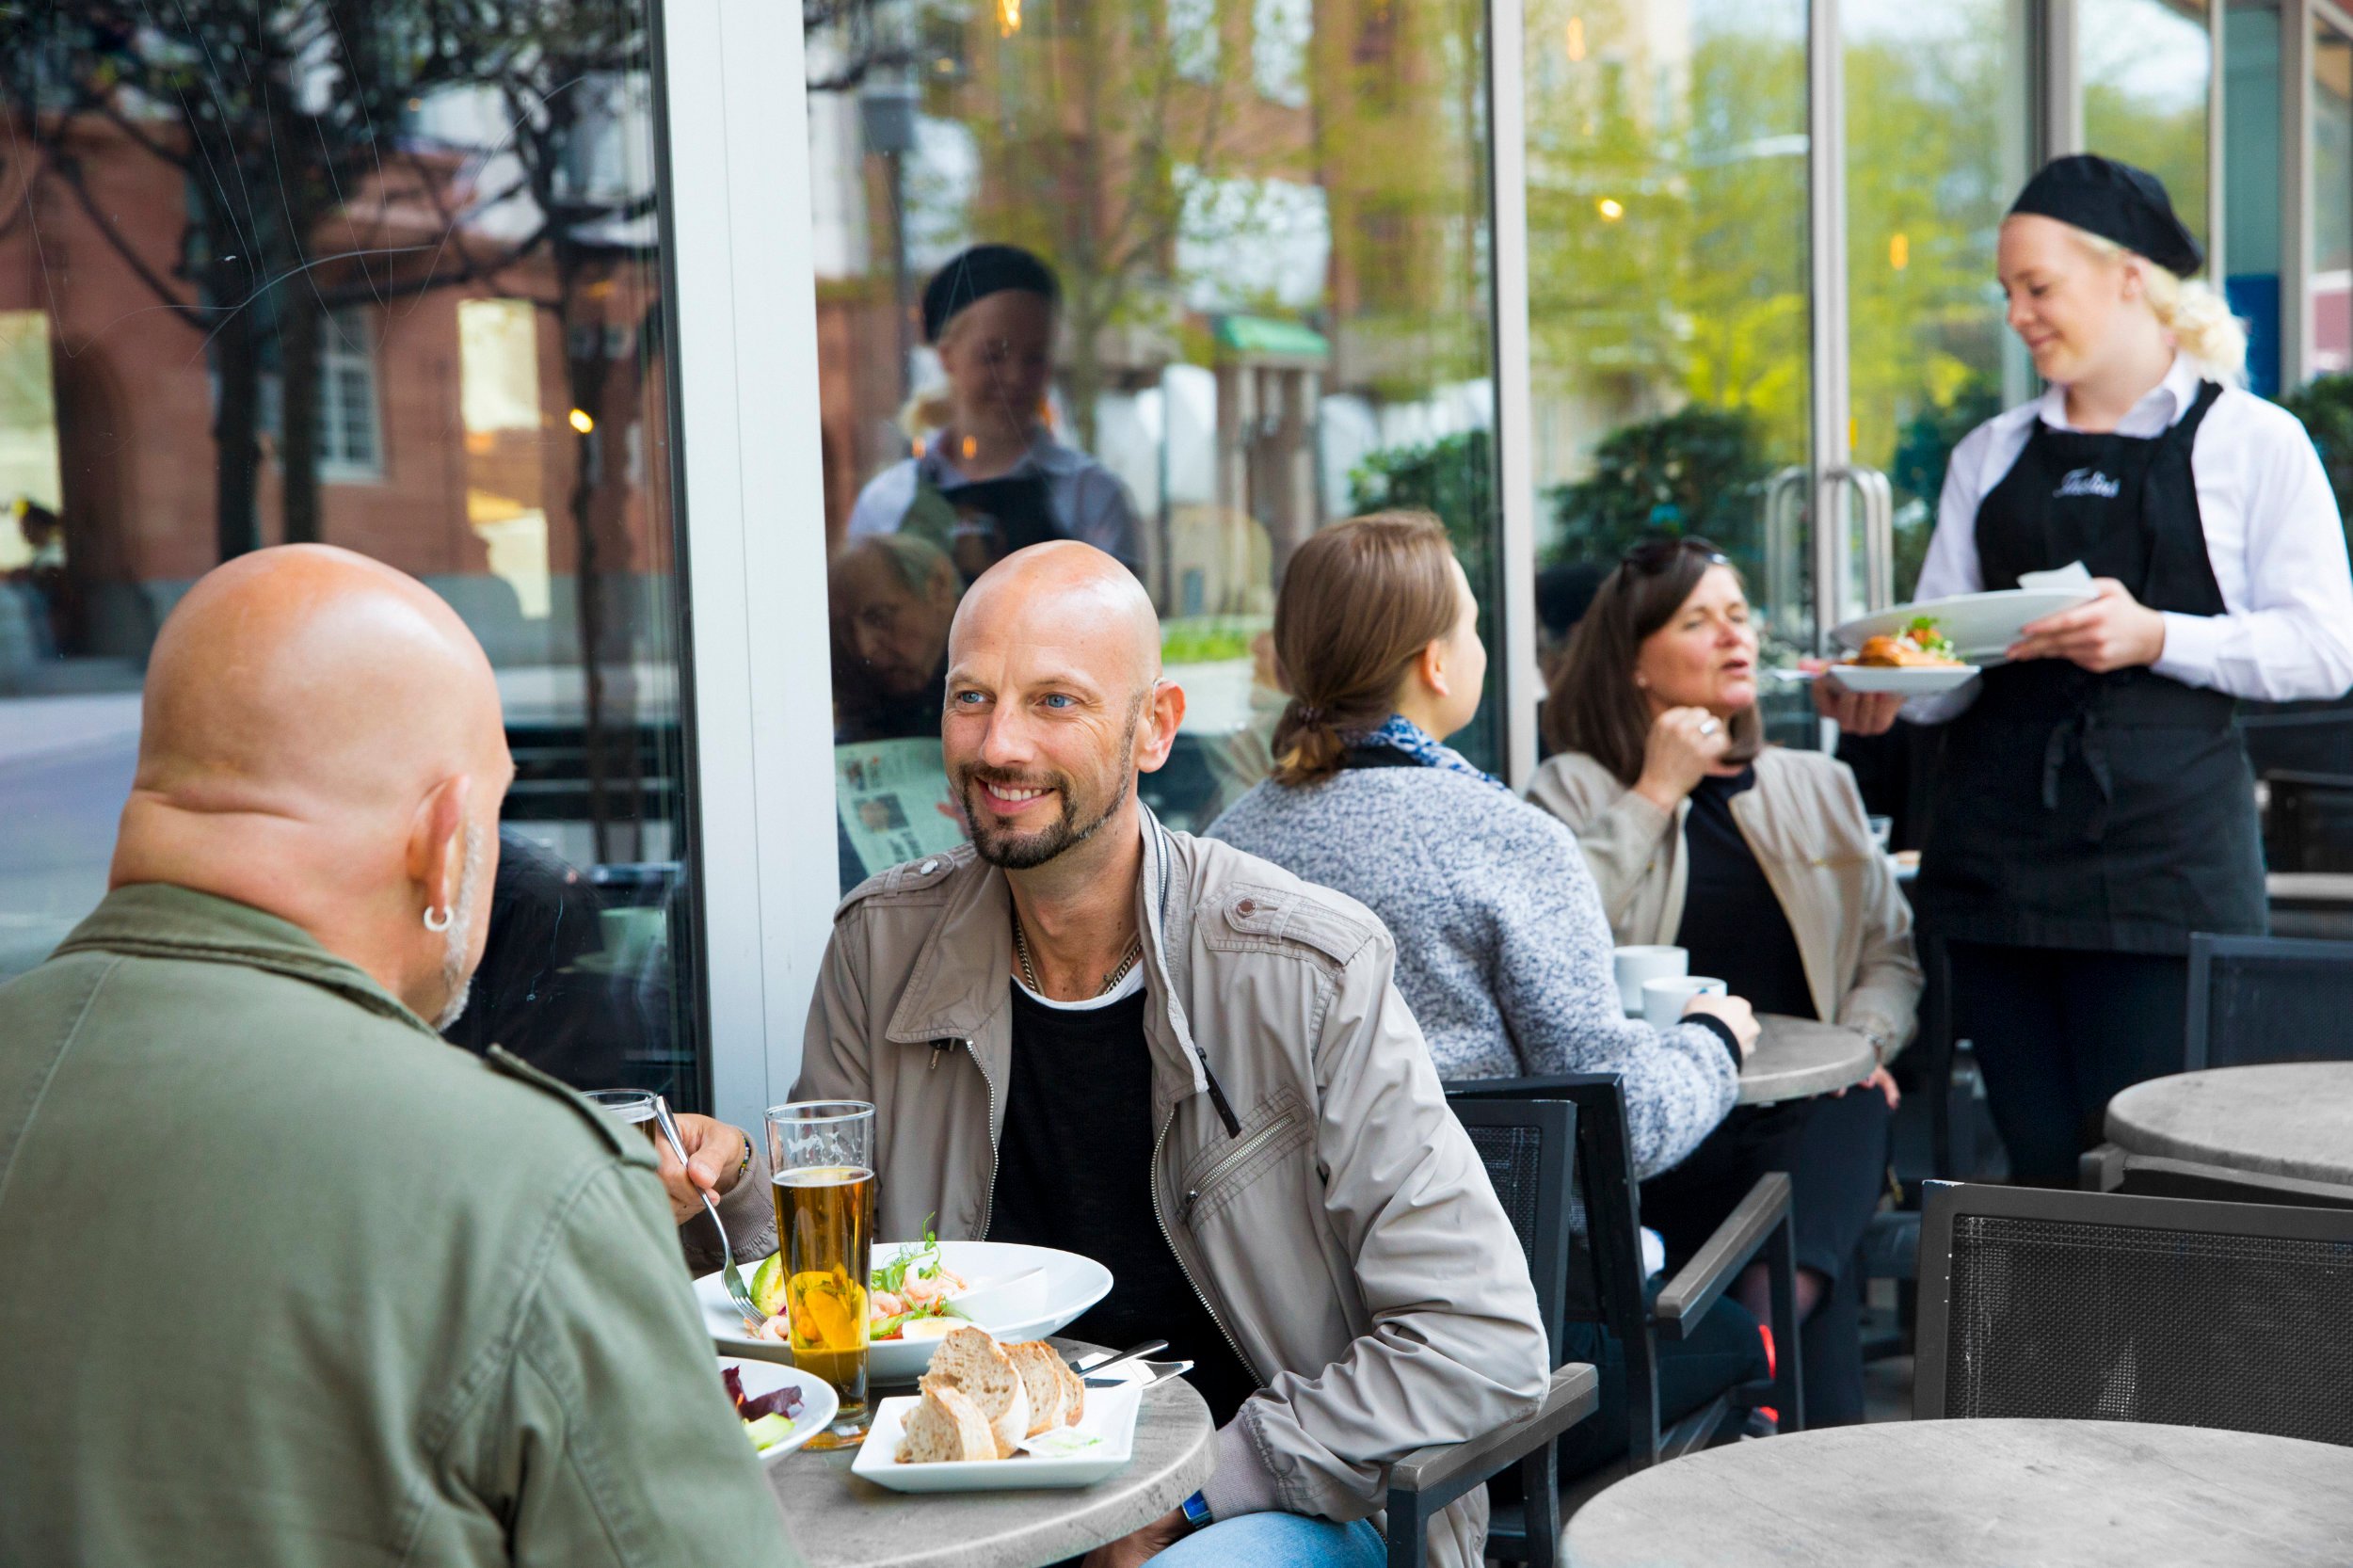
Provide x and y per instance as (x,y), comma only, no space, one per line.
(33,728)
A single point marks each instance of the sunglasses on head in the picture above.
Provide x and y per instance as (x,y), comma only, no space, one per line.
(1655,556)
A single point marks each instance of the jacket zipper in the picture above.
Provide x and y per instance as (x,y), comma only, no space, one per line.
(988,1203)
(1182,1267)
(1230,1159)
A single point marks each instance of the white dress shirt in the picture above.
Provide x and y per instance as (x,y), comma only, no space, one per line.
(2272,530)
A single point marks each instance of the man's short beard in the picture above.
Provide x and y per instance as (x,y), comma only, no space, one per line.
(457,974)
(1022,852)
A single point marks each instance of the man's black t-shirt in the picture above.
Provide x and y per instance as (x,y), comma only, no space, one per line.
(1074,1171)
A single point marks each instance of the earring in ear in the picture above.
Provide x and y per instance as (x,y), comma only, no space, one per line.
(438,926)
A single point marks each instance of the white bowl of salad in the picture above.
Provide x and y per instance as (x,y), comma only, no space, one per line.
(920,1291)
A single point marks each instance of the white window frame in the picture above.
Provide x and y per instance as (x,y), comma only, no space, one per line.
(347,342)
(744,291)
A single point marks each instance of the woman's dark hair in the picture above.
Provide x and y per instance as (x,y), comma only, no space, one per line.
(1594,706)
(1359,603)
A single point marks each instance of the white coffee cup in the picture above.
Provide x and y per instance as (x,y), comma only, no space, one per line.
(1663,1000)
(1636,965)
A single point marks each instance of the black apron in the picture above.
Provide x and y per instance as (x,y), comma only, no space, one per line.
(2115,811)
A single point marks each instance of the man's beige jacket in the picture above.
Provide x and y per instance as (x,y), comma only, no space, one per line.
(1322,1199)
(1805,825)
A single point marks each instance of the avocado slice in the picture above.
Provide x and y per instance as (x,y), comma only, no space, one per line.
(768,1284)
(768,1430)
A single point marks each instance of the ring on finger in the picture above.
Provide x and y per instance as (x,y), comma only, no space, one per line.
(1710,726)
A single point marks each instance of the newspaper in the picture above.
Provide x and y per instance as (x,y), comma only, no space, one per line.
(893,800)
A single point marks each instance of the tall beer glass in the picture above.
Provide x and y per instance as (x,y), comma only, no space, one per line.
(822,1153)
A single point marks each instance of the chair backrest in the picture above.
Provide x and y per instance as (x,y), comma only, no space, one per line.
(2100,1306)
(2308,824)
(1530,1148)
(2268,999)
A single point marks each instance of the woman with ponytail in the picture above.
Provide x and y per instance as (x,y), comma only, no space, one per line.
(1502,948)
(2094,804)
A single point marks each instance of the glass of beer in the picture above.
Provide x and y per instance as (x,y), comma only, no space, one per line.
(822,1153)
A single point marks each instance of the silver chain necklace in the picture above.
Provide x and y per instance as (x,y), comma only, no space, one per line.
(1110,980)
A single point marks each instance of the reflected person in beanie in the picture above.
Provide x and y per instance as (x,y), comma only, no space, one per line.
(988,476)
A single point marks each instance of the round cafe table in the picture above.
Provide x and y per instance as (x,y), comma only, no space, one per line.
(1797,1057)
(2290,1119)
(1982,1494)
(839,1521)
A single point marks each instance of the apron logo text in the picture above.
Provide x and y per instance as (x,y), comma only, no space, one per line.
(2087,481)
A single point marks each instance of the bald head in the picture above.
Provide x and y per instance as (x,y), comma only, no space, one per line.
(1055,704)
(1071,595)
(320,732)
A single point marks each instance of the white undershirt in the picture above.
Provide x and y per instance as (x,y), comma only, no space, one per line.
(1126,987)
(2273,535)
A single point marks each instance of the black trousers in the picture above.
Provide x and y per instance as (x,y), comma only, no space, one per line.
(1835,1151)
(2057,1033)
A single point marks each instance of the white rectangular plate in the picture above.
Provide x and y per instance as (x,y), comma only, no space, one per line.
(1906,680)
(1100,1444)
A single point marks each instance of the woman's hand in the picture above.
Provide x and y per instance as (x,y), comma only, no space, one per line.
(1734,1011)
(1854,712)
(1882,1079)
(1685,745)
(2112,633)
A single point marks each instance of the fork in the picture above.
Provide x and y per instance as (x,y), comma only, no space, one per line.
(729,1276)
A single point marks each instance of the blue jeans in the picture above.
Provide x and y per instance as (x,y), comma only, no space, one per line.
(1278,1541)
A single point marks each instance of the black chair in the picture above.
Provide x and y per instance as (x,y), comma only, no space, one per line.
(1601,1281)
(2252,1000)
(2100,1306)
(1527,1149)
(2307,821)
(2267,998)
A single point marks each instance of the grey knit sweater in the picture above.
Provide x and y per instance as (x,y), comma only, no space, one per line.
(1502,949)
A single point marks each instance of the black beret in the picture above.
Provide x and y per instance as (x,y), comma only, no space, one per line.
(976,274)
(2116,201)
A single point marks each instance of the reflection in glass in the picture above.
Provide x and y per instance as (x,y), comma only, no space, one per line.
(399,300)
(1256,303)
(1936,149)
(2146,65)
(1668,292)
(2333,201)
(2250,181)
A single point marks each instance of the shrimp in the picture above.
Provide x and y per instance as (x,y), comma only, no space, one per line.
(921,1292)
(883,1304)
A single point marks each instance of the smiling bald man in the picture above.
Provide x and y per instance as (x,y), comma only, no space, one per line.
(1089,1032)
(291,1281)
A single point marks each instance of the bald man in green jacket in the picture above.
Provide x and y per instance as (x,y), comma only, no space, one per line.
(287,1280)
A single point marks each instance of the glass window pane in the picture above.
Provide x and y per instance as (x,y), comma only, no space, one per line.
(2146,65)
(1936,151)
(1669,293)
(456,362)
(1268,227)
(2250,184)
(2333,201)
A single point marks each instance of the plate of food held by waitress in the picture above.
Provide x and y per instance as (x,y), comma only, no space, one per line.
(2094,804)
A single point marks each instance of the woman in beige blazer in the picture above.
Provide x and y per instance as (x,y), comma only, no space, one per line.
(1761,862)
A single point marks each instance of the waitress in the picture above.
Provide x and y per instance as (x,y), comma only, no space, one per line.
(2095,804)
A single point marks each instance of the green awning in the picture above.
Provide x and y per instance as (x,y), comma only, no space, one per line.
(1263,335)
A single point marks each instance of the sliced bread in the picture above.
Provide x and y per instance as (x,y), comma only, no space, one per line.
(974,1363)
(1051,1388)
(945,1426)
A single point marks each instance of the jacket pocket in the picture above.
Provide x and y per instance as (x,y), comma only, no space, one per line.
(1277,1129)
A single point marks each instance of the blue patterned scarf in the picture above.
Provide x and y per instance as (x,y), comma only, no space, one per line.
(1402,734)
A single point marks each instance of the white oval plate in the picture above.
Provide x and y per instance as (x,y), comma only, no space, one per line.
(1906,680)
(1102,1442)
(1072,1283)
(818,1403)
(1983,626)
